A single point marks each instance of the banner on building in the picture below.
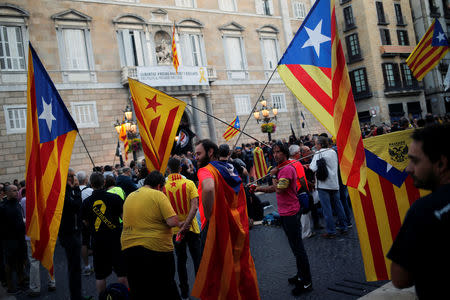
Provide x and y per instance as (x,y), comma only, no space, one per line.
(167,76)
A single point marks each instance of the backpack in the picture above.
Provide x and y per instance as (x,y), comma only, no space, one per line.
(322,171)
(115,291)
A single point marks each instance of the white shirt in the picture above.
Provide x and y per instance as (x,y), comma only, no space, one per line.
(85,192)
(330,156)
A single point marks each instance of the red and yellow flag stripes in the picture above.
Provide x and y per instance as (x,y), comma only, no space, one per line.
(227,270)
(158,116)
(175,60)
(346,124)
(259,162)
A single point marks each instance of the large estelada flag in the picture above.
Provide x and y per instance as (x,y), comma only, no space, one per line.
(390,192)
(231,131)
(227,270)
(51,133)
(431,49)
(259,163)
(314,69)
(158,116)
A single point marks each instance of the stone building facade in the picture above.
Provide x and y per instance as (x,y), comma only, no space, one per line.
(90,47)
(423,12)
(377,37)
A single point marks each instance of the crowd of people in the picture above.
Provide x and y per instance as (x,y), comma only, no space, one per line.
(132,221)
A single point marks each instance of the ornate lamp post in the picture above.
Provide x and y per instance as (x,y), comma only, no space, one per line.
(117,126)
(263,115)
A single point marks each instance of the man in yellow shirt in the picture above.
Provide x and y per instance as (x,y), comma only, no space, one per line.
(183,196)
(148,218)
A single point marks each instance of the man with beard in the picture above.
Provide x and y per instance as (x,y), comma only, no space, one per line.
(284,179)
(227,269)
(420,252)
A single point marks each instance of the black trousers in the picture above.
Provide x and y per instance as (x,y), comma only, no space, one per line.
(72,247)
(151,274)
(293,229)
(191,240)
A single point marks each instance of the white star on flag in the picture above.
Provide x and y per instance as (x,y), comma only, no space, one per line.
(316,38)
(47,114)
(441,36)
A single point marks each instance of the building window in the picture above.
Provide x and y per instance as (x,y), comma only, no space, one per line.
(84,114)
(399,14)
(358,79)
(353,50)
(12,52)
(264,7)
(131,45)
(185,3)
(235,57)
(391,76)
(192,50)
(15,118)
(402,36)
(227,5)
(348,17)
(270,53)
(299,9)
(242,104)
(408,79)
(434,9)
(380,13)
(279,102)
(75,49)
(385,37)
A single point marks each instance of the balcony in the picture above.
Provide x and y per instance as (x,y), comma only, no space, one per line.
(354,58)
(348,26)
(363,94)
(383,20)
(403,90)
(391,51)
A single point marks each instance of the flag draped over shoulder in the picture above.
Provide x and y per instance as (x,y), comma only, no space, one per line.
(227,270)
(158,116)
(389,193)
(431,49)
(259,162)
(175,60)
(51,133)
(231,131)
(314,69)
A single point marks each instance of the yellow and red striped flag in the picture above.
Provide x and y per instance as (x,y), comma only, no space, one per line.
(390,192)
(158,116)
(259,163)
(314,69)
(431,49)
(124,139)
(51,133)
(175,60)
(231,131)
(227,270)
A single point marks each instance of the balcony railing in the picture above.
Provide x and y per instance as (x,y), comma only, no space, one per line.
(383,19)
(403,90)
(349,26)
(401,20)
(367,93)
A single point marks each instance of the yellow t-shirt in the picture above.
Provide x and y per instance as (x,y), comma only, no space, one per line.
(144,215)
(180,192)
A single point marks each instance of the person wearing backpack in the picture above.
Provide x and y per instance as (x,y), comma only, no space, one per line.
(325,164)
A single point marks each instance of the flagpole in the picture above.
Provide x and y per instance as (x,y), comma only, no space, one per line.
(86,149)
(216,118)
(253,109)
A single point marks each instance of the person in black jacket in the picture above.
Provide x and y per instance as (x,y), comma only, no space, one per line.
(70,233)
(12,228)
(125,182)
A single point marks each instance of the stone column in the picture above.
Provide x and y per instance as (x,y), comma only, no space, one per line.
(211,126)
(195,116)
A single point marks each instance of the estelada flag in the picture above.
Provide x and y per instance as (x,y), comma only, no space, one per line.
(124,139)
(51,133)
(227,270)
(158,116)
(390,192)
(231,131)
(431,49)
(314,69)
(259,162)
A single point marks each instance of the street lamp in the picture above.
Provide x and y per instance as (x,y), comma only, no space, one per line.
(130,127)
(263,115)
(117,126)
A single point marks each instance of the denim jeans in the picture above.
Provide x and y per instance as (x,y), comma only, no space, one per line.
(293,229)
(191,240)
(326,196)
